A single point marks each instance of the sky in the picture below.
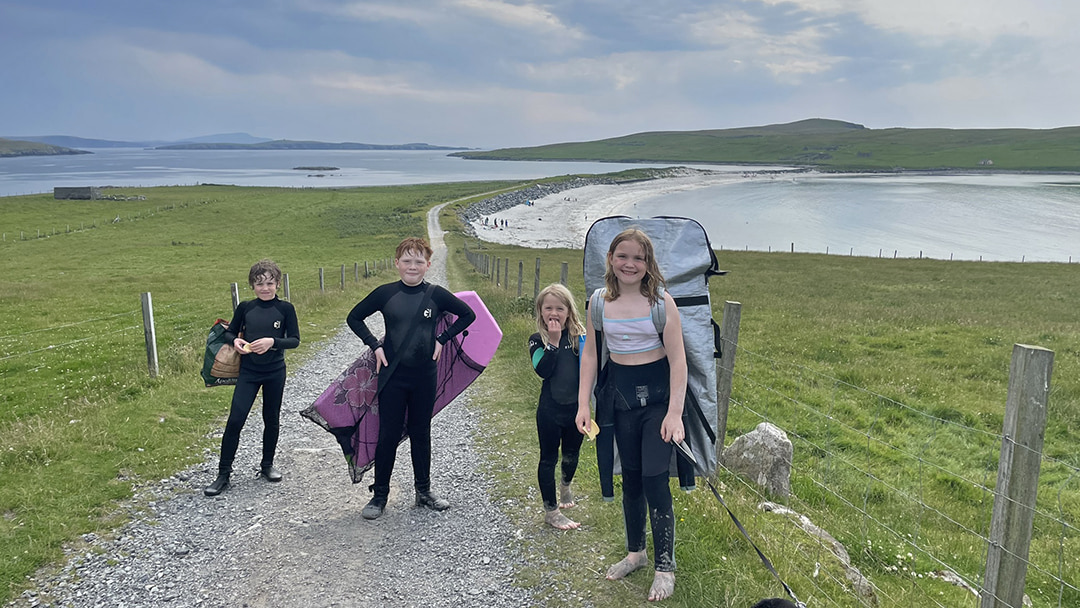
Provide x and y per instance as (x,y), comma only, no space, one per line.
(506,73)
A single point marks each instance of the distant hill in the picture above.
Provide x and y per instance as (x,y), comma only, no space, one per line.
(83,142)
(287,144)
(827,145)
(15,147)
(225,138)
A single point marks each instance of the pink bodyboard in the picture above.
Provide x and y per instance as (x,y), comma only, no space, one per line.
(349,410)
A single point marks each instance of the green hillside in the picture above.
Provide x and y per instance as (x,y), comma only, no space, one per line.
(828,145)
(16,147)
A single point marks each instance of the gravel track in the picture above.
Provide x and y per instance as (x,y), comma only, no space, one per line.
(302,542)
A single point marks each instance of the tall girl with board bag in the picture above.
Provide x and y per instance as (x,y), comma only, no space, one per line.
(642,396)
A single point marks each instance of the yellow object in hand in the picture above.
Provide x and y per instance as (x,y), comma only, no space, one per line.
(247,348)
(593,431)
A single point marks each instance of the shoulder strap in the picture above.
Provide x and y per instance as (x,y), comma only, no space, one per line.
(659,313)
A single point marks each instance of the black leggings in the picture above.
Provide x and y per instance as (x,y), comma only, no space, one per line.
(554,425)
(405,404)
(646,458)
(247,388)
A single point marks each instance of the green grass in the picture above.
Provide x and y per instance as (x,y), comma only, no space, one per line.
(829,146)
(80,418)
(896,367)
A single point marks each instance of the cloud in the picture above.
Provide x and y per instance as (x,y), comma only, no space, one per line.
(525,16)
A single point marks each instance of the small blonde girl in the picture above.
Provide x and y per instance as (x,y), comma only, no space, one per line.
(553,352)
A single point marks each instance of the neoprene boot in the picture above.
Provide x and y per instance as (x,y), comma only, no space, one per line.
(270,473)
(431,500)
(375,507)
(220,485)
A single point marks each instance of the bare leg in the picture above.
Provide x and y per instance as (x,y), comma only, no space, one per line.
(634,560)
(557,520)
(566,497)
(663,586)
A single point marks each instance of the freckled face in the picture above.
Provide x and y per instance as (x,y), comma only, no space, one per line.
(411,267)
(628,262)
(552,309)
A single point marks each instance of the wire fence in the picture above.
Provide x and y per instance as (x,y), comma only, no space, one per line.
(907,495)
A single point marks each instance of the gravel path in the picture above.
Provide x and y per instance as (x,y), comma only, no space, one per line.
(302,542)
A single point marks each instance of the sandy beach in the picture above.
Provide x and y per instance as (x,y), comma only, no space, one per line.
(562,219)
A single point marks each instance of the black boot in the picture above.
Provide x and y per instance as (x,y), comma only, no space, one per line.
(271,473)
(429,499)
(220,485)
(375,507)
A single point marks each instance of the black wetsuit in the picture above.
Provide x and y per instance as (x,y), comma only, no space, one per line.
(556,412)
(259,319)
(407,396)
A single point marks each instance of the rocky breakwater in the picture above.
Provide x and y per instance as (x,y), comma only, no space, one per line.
(506,200)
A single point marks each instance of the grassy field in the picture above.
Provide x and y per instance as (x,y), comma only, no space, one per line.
(841,352)
(863,362)
(80,418)
(828,145)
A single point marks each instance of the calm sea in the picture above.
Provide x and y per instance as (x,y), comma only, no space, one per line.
(989,217)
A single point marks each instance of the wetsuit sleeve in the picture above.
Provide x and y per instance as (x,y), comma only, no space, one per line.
(543,359)
(448,302)
(365,308)
(292,328)
(236,325)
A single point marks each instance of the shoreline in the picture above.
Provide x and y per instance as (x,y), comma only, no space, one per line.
(551,221)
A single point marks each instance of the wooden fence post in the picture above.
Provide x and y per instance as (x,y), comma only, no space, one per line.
(536,279)
(322,286)
(506,273)
(285,283)
(1018,477)
(356,272)
(563,273)
(725,369)
(498,277)
(235,291)
(149,333)
(367,273)
(521,274)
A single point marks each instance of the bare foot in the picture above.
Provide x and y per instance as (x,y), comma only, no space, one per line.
(632,561)
(663,585)
(557,520)
(566,497)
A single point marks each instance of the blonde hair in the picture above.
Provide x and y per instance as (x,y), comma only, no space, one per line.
(652,279)
(573,320)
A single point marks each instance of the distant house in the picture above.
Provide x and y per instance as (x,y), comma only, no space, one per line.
(81,193)
(986,162)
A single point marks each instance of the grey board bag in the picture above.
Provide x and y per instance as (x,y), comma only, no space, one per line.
(686,260)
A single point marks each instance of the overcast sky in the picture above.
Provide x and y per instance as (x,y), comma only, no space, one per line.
(496,73)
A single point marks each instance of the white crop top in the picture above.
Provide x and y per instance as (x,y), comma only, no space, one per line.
(629,336)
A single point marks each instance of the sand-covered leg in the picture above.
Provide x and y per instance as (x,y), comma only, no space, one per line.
(566,497)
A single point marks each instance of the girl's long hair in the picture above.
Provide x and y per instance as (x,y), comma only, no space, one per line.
(573,320)
(652,279)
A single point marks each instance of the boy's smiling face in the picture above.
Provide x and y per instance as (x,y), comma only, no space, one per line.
(265,287)
(411,267)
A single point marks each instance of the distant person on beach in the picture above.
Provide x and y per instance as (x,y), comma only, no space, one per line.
(261,330)
(642,391)
(554,352)
(410,308)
